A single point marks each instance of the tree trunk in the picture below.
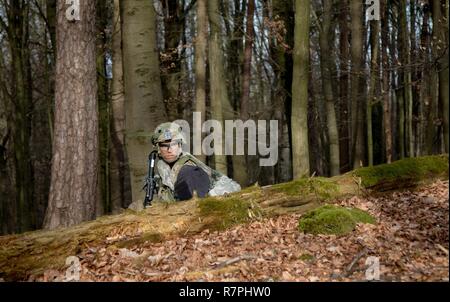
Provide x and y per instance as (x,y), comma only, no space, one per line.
(440,39)
(41,124)
(344,131)
(281,54)
(424,90)
(7,202)
(103,96)
(374,71)
(393,55)
(200,65)
(326,40)
(218,88)
(431,114)
(73,190)
(234,24)
(356,11)
(408,139)
(171,60)
(21,113)
(50,64)
(299,118)
(386,93)
(242,161)
(401,122)
(246,71)
(142,83)
(51,22)
(119,170)
(413,33)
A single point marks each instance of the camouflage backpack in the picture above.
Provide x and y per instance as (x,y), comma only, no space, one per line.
(166,177)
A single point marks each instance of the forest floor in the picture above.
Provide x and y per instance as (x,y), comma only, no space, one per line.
(410,240)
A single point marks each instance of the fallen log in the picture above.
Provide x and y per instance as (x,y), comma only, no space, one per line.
(35,252)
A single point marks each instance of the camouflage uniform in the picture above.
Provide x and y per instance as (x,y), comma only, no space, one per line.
(166,175)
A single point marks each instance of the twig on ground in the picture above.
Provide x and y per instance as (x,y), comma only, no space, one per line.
(442,248)
(349,269)
(234,260)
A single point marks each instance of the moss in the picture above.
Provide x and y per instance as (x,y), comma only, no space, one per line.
(331,219)
(361,216)
(150,237)
(252,189)
(405,170)
(323,188)
(306,257)
(223,212)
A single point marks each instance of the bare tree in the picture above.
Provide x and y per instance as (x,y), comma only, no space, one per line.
(326,42)
(356,11)
(73,190)
(299,118)
(144,107)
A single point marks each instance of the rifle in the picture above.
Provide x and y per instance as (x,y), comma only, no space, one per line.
(150,183)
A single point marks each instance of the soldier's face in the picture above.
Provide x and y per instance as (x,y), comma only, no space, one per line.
(170,151)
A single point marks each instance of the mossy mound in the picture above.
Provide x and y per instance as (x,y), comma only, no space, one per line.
(330,219)
(221,213)
(323,188)
(406,170)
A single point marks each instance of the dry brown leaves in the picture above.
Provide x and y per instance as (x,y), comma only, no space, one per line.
(410,240)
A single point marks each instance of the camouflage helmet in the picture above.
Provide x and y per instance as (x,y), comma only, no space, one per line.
(168,132)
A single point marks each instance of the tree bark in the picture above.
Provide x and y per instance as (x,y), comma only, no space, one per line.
(299,118)
(51,22)
(142,83)
(104,103)
(386,93)
(73,190)
(356,11)
(171,60)
(119,170)
(326,40)
(440,39)
(20,113)
(344,48)
(374,71)
(246,71)
(201,43)
(219,94)
(432,112)
(281,54)
(406,81)
(42,119)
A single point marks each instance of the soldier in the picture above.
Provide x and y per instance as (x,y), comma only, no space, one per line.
(178,174)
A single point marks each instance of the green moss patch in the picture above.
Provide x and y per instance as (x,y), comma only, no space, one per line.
(323,188)
(330,219)
(306,257)
(221,213)
(406,170)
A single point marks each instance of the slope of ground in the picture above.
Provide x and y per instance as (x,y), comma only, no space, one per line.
(410,240)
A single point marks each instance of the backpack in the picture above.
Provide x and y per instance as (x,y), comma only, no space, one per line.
(166,177)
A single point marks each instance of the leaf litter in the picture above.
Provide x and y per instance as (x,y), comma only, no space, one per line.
(410,240)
